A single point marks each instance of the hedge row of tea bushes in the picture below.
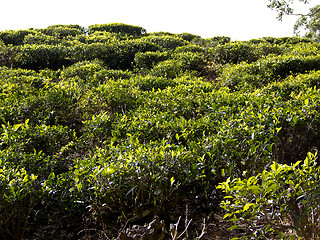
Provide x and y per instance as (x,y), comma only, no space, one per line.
(108,126)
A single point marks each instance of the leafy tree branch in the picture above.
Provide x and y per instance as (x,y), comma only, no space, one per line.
(308,23)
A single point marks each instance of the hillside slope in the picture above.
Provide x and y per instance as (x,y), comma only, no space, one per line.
(106,127)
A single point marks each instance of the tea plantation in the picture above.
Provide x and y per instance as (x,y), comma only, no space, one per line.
(110,132)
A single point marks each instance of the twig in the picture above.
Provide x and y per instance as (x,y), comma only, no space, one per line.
(203,231)
(186,221)
(185,229)
(174,229)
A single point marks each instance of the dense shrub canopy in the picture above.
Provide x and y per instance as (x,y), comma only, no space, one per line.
(117,28)
(110,126)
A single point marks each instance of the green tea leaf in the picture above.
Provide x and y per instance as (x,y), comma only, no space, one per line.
(247,206)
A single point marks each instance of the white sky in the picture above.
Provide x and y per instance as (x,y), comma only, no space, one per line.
(238,19)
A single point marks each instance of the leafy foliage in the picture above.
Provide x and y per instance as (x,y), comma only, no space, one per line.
(110,125)
(285,197)
(308,22)
(117,28)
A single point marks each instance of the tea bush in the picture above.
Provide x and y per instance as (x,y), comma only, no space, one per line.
(303,49)
(35,148)
(180,63)
(211,42)
(8,56)
(17,91)
(293,85)
(150,83)
(54,105)
(143,44)
(165,42)
(169,69)
(63,31)
(149,175)
(266,70)
(146,60)
(89,52)
(100,37)
(97,130)
(188,36)
(37,57)
(41,38)
(14,37)
(82,70)
(190,48)
(236,52)
(117,28)
(220,39)
(279,198)
(100,77)
(116,55)
(116,96)
(191,60)
(20,193)
(286,40)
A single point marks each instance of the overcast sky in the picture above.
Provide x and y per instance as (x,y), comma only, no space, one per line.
(238,19)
